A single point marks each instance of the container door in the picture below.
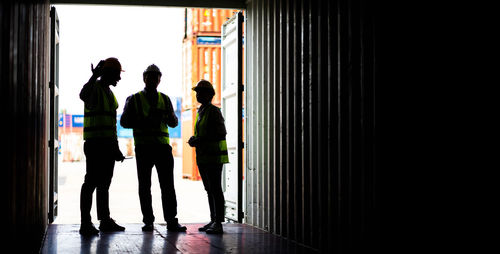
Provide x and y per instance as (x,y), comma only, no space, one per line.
(53,114)
(231,102)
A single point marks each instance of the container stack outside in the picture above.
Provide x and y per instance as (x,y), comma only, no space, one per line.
(201,59)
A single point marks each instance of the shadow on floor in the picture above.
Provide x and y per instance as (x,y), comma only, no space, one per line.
(237,238)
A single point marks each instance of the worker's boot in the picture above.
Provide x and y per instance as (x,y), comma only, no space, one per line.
(88,229)
(173,225)
(204,228)
(148,227)
(215,228)
(109,225)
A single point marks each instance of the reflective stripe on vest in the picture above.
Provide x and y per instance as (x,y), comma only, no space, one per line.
(101,121)
(153,135)
(214,152)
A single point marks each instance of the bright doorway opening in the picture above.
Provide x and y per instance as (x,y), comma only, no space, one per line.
(138,37)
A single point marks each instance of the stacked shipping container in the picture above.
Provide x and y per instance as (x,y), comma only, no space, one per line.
(206,22)
(201,57)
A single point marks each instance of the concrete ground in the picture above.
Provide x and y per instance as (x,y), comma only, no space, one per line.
(192,204)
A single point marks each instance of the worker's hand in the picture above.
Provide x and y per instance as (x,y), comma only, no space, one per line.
(193,141)
(118,155)
(170,109)
(97,71)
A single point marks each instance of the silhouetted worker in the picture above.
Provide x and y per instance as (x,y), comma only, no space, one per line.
(149,112)
(101,144)
(211,153)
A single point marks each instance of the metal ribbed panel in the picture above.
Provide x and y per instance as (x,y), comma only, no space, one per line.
(310,116)
(24,55)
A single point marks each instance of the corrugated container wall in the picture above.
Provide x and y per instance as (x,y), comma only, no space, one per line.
(311,173)
(24,67)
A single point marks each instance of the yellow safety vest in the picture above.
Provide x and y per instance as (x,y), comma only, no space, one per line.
(151,135)
(100,122)
(214,152)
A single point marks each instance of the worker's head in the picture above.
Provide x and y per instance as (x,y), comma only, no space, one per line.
(111,71)
(204,91)
(152,76)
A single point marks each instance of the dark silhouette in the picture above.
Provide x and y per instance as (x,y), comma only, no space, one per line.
(101,144)
(149,112)
(211,153)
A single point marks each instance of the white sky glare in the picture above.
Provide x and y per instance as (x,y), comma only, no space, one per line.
(137,36)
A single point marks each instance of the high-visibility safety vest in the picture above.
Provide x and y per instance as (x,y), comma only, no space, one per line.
(150,135)
(213,152)
(100,122)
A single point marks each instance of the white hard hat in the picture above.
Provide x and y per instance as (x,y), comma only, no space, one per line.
(152,68)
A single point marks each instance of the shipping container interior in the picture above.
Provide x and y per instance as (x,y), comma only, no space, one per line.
(308,114)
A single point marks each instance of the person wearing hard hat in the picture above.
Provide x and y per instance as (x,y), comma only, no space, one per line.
(101,144)
(149,113)
(211,153)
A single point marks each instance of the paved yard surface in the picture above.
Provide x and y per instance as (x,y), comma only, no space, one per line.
(192,204)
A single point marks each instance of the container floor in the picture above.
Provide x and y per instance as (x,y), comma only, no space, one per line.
(237,238)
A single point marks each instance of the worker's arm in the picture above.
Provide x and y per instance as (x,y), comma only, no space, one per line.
(87,92)
(219,128)
(167,116)
(171,118)
(129,116)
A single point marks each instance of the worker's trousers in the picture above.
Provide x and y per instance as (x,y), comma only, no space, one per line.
(160,156)
(99,171)
(211,177)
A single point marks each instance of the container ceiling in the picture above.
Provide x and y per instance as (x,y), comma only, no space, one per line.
(231,4)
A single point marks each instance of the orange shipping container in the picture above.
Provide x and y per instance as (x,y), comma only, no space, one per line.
(200,61)
(187,76)
(189,167)
(206,22)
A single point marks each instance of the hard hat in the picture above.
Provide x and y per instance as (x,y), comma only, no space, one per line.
(204,84)
(152,68)
(112,63)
